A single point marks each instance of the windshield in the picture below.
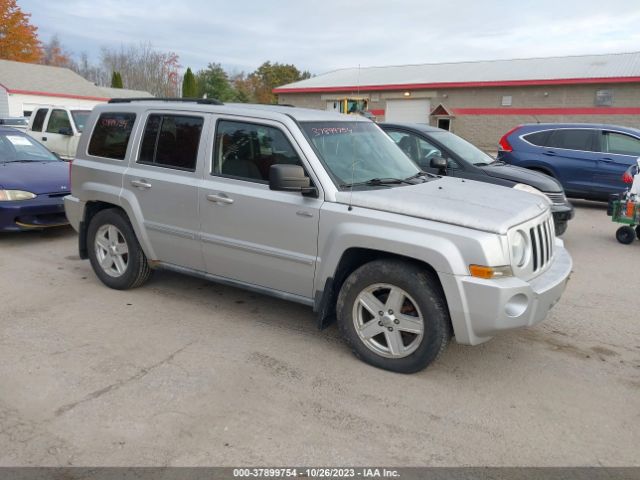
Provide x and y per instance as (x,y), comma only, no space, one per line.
(20,148)
(80,118)
(357,152)
(462,148)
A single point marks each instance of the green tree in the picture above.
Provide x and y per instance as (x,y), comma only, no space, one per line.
(116,80)
(271,75)
(189,85)
(214,82)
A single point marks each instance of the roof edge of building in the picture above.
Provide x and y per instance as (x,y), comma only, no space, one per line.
(480,84)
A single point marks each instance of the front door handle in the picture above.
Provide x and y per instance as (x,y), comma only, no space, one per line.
(606,160)
(141,184)
(551,153)
(220,198)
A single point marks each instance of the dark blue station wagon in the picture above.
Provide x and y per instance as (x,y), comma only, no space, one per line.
(588,159)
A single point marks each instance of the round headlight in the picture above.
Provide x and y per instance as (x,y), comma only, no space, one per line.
(518,249)
(12,195)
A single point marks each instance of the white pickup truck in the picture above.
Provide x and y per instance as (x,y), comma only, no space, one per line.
(58,128)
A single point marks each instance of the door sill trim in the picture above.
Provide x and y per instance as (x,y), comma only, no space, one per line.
(236,283)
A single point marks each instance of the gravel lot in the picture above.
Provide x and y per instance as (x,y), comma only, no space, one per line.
(183,372)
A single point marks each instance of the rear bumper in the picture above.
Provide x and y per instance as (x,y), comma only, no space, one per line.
(488,307)
(74,209)
(40,212)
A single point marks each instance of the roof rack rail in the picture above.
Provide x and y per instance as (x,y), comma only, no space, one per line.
(205,101)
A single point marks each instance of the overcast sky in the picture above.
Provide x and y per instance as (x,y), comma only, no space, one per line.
(324,35)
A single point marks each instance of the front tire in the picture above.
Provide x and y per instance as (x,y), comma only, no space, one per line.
(393,315)
(114,252)
(626,235)
(638,232)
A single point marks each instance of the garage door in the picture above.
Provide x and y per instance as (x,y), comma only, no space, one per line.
(407,111)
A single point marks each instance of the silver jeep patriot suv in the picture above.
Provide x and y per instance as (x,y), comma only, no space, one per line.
(318,208)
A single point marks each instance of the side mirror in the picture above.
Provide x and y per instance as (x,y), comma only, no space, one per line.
(440,164)
(289,178)
(66,131)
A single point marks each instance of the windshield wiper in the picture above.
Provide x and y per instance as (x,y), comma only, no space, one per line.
(17,161)
(377,181)
(422,173)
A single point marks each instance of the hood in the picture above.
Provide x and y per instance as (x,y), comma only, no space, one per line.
(35,177)
(477,205)
(539,180)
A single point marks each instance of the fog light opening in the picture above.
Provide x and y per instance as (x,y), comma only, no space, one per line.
(516,305)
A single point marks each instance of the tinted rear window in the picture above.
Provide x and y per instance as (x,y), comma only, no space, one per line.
(578,139)
(111,135)
(538,138)
(38,120)
(171,141)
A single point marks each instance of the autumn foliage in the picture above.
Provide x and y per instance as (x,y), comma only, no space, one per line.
(18,38)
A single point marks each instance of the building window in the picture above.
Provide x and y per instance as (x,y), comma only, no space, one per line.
(604,98)
(507,100)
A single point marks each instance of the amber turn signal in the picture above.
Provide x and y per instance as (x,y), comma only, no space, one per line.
(480,271)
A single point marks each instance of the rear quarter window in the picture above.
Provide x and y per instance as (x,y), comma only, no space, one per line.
(538,138)
(111,135)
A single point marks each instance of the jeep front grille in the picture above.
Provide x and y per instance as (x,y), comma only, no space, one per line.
(542,238)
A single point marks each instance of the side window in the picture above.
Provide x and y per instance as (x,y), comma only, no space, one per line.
(407,144)
(111,135)
(569,139)
(58,120)
(538,138)
(247,150)
(621,144)
(171,141)
(38,120)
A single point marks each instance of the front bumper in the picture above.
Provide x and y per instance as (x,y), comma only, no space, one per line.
(488,307)
(40,212)
(562,213)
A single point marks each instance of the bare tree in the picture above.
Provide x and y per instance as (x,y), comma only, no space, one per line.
(94,73)
(144,68)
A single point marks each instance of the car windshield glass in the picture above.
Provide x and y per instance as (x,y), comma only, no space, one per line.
(465,150)
(80,118)
(359,152)
(15,147)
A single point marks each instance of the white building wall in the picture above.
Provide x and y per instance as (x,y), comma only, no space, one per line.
(20,103)
(4,103)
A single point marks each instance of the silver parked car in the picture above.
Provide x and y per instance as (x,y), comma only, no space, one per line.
(318,208)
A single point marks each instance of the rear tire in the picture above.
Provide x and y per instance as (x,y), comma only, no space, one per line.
(114,251)
(626,235)
(638,232)
(393,315)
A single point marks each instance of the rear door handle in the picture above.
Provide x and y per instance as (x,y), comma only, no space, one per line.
(551,153)
(141,184)
(219,198)
(606,160)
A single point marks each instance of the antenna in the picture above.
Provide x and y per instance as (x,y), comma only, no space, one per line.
(353,158)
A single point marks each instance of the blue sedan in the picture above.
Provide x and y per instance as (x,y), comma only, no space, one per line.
(33,182)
